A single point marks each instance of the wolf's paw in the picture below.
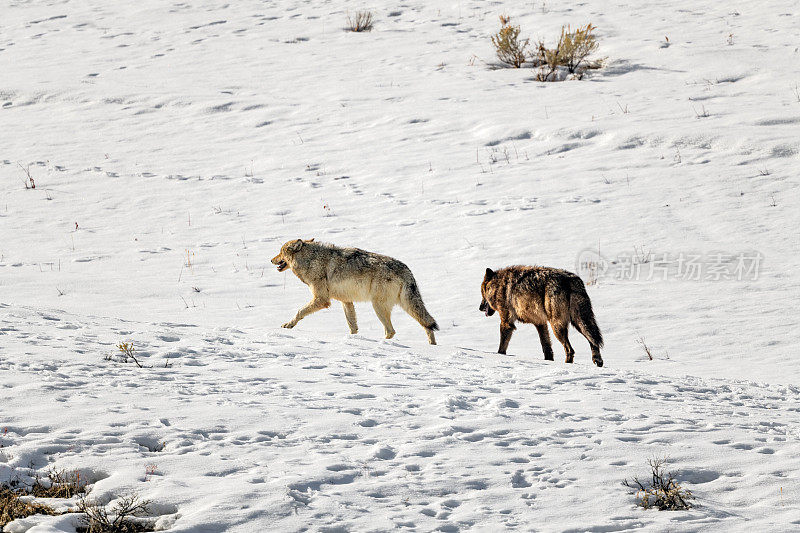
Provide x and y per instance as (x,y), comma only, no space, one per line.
(289,325)
(389,334)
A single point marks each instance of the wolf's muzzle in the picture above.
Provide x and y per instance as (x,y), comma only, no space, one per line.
(486,308)
(282,265)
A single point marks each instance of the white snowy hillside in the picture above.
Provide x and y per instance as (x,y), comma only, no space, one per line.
(174,146)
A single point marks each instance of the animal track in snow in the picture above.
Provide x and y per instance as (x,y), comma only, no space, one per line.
(446,438)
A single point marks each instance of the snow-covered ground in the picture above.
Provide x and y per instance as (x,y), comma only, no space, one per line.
(174,147)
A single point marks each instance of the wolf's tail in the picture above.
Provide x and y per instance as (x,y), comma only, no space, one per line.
(411,301)
(582,316)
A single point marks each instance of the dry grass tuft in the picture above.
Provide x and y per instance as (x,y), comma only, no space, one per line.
(12,507)
(362,21)
(662,492)
(126,353)
(58,484)
(123,517)
(28,181)
(641,342)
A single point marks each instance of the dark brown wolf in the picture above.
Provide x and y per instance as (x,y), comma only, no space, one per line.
(538,295)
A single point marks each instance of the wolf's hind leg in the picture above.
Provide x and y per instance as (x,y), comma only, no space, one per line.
(583,319)
(561,331)
(311,307)
(431,336)
(544,337)
(350,315)
(596,357)
(384,313)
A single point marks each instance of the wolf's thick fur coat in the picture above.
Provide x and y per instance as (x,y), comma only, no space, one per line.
(538,295)
(354,275)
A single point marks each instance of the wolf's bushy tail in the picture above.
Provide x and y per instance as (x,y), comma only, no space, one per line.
(411,301)
(581,314)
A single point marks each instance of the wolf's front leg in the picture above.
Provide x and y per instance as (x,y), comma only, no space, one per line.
(544,337)
(506,330)
(311,307)
(350,315)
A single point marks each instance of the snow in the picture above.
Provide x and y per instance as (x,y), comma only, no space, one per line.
(174,148)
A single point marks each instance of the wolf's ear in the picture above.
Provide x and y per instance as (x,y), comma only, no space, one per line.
(296,245)
(489,274)
(310,240)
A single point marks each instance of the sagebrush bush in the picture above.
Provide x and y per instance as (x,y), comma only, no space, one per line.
(571,53)
(509,48)
(121,518)
(548,60)
(362,21)
(663,491)
(575,46)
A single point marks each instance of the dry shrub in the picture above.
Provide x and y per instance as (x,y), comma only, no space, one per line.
(663,491)
(641,342)
(11,507)
(575,46)
(58,484)
(549,60)
(28,182)
(362,21)
(121,518)
(571,52)
(126,352)
(509,48)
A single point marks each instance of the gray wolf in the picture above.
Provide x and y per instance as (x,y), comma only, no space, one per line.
(538,295)
(353,275)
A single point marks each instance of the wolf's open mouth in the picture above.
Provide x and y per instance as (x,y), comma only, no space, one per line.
(282,266)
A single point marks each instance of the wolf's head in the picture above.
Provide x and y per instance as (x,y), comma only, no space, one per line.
(286,257)
(488,291)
